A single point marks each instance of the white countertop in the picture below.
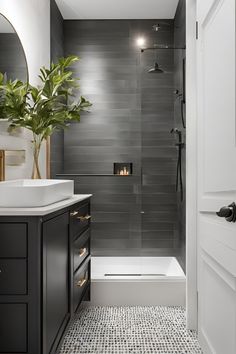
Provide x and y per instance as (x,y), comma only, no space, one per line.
(46,209)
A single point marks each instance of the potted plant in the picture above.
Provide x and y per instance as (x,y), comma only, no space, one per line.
(43,109)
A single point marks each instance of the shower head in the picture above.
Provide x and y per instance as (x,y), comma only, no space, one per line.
(156,69)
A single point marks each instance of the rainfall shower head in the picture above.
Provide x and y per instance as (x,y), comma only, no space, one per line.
(156,69)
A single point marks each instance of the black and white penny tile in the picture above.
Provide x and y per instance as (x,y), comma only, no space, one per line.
(130,330)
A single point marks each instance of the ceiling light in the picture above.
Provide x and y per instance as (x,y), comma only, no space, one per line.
(140,41)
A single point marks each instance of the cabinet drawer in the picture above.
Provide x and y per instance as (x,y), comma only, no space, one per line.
(81,281)
(13,277)
(13,328)
(79,219)
(13,240)
(81,248)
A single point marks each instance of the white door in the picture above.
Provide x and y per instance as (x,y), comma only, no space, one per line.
(216,175)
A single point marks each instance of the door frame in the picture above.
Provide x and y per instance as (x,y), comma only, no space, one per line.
(191,166)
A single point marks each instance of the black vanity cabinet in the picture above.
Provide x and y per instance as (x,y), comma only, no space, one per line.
(44,275)
(56,275)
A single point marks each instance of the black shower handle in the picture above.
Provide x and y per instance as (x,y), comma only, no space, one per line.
(180,144)
(228,212)
(177,132)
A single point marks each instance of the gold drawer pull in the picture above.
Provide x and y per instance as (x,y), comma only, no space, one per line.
(81,282)
(84,218)
(82,251)
(73,213)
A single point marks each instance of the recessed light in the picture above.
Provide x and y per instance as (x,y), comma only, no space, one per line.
(141,41)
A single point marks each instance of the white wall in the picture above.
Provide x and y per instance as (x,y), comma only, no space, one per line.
(31,19)
(191,166)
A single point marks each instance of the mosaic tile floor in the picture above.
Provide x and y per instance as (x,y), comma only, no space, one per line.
(130,330)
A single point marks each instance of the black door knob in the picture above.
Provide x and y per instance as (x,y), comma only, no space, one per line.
(224,212)
(228,212)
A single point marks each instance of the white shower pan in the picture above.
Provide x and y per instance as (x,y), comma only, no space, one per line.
(133,281)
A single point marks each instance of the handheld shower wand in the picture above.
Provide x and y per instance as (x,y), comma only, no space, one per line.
(182,103)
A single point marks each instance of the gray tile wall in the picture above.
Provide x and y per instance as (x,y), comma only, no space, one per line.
(57,51)
(180,41)
(132,114)
(158,158)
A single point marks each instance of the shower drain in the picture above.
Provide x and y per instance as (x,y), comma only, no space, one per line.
(134,275)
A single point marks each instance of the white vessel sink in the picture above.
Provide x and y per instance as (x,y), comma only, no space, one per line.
(23,193)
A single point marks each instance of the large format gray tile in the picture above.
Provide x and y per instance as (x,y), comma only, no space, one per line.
(130,121)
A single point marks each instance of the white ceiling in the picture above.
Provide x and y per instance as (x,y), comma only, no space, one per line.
(117,9)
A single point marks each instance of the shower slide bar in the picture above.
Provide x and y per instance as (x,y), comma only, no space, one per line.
(180,145)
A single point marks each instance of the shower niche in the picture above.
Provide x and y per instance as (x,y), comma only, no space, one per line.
(122,168)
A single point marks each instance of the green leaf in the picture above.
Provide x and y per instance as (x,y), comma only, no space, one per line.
(49,107)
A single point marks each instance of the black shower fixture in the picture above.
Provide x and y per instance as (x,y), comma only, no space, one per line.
(156,69)
(180,145)
(156,27)
(177,94)
(181,96)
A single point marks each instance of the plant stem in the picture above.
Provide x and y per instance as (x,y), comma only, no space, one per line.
(37,141)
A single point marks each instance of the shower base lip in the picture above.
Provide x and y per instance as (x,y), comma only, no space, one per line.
(134,275)
(139,279)
(133,281)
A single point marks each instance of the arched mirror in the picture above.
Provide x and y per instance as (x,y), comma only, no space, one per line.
(13,66)
(12,56)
